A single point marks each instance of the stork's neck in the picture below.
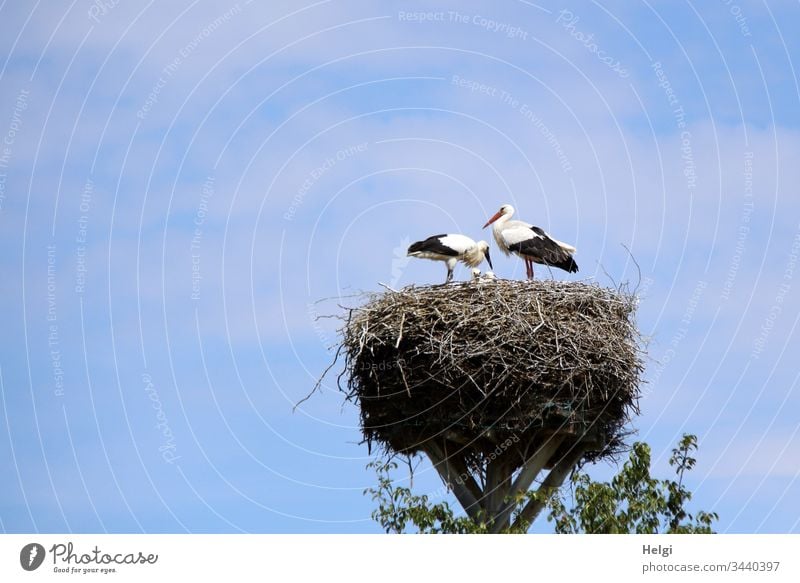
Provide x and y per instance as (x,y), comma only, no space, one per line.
(498,225)
(473,256)
(497,232)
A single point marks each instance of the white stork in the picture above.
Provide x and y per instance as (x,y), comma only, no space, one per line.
(529,242)
(451,249)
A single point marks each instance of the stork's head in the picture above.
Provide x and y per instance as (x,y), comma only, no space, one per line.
(483,247)
(505,211)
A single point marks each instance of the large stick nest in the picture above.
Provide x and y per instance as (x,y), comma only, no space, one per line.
(495,362)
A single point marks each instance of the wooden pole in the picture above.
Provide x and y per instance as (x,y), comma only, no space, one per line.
(460,467)
(551,483)
(494,492)
(495,503)
(530,469)
(455,480)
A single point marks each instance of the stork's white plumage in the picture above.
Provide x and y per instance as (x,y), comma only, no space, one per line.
(451,249)
(529,242)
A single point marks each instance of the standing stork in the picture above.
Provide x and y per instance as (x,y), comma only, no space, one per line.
(529,242)
(451,249)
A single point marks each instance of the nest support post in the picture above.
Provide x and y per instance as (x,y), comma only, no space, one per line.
(506,482)
(550,484)
(522,483)
(456,476)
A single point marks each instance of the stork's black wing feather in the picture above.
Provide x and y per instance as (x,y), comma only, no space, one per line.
(432,245)
(544,250)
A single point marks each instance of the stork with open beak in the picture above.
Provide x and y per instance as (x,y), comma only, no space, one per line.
(451,249)
(530,242)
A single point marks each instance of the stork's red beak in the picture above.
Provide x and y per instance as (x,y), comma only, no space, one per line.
(497,215)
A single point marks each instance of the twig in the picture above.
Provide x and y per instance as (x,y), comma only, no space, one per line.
(318,384)
(638,268)
(400,336)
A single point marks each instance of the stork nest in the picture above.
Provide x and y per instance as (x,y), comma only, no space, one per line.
(503,363)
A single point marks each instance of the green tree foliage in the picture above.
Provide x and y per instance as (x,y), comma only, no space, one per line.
(399,508)
(633,502)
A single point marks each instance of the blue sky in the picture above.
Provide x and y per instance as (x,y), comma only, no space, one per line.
(181,183)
